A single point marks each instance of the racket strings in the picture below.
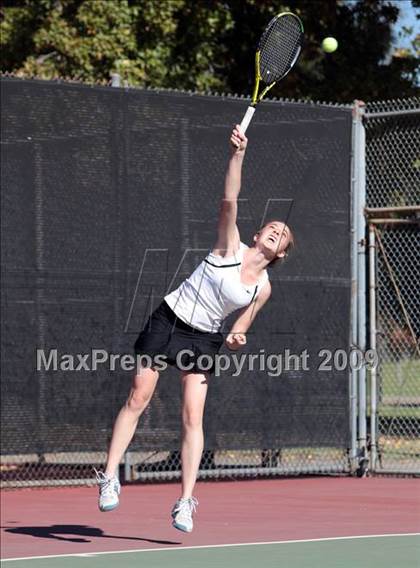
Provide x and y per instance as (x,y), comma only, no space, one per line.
(279,48)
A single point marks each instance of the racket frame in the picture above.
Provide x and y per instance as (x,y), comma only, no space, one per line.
(255,98)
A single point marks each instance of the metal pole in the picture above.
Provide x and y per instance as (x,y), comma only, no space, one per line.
(360,187)
(404,209)
(353,306)
(394,221)
(127,466)
(391,113)
(115,80)
(372,328)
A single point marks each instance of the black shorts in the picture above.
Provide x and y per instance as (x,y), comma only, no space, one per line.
(166,335)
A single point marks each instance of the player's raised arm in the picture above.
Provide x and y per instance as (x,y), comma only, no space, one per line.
(227,234)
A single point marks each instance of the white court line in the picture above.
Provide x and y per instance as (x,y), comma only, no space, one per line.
(99,553)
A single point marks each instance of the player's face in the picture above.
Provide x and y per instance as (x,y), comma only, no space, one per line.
(275,237)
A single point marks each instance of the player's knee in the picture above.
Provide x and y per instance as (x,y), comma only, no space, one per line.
(138,400)
(192,419)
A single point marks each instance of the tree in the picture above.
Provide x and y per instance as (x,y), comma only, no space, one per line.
(207,45)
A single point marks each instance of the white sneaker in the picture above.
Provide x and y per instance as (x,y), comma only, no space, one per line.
(109,489)
(182,514)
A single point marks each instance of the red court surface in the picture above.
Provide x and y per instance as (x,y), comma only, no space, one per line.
(39,522)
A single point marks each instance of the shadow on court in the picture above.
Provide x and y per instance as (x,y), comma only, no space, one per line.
(54,532)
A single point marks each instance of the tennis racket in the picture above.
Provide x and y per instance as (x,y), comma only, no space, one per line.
(277,52)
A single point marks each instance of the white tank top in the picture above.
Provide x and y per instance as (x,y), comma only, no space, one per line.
(213,291)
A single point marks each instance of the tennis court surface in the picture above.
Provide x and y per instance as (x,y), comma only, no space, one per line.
(306,522)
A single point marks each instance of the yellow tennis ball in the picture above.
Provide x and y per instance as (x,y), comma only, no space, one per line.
(329,44)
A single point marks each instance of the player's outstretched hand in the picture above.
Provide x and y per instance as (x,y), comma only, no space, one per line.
(238,141)
(235,340)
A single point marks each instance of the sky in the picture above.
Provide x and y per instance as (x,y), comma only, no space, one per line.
(406,18)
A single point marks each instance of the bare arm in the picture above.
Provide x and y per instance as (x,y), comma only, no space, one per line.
(247,315)
(227,232)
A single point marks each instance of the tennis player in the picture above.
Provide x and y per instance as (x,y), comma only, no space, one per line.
(232,277)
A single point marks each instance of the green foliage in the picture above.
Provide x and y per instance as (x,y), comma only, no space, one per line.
(207,45)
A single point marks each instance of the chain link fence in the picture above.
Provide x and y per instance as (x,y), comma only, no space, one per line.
(393,211)
(397,332)
(68,468)
(392,155)
(89,174)
(392,187)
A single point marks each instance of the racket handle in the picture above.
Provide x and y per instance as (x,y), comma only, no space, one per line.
(247,118)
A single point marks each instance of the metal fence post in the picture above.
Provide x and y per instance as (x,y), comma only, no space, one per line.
(127,466)
(115,80)
(360,191)
(372,343)
(353,307)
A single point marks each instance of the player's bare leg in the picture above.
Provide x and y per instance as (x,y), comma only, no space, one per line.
(143,387)
(195,388)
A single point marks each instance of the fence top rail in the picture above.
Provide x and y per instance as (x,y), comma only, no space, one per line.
(391,221)
(396,209)
(390,113)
